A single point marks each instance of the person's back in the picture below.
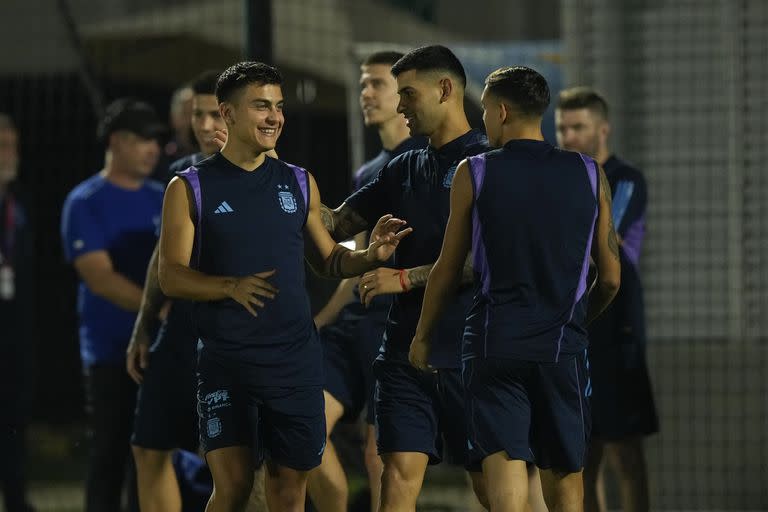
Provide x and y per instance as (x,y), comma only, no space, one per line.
(534,214)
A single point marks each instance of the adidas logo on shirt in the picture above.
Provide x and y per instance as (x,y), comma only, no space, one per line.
(224,208)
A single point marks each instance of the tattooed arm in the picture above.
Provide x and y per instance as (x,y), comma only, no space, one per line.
(605,252)
(342,223)
(331,259)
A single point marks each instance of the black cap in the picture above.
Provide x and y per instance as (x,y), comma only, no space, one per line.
(131,115)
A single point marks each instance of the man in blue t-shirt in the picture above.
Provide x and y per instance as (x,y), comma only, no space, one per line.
(350,333)
(623,409)
(109,226)
(532,215)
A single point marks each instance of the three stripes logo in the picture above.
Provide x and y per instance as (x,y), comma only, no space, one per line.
(224,208)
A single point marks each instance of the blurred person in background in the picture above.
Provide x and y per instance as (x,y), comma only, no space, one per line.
(182,142)
(16,317)
(351,334)
(623,409)
(109,227)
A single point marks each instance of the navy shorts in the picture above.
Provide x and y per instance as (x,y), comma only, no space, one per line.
(622,398)
(285,425)
(349,349)
(420,412)
(536,412)
(166,416)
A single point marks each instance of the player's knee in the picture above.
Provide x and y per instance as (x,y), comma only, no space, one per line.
(287,494)
(233,492)
(396,482)
(628,457)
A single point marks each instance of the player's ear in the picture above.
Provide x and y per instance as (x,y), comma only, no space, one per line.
(503,112)
(605,129)
(446,88)
(226,111)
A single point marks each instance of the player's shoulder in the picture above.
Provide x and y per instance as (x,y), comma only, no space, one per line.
(87,189)
(623,170)
(185,163)
(475,143)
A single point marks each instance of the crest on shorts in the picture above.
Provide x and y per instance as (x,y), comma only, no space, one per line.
(214,427)
(286,198)
(448,180)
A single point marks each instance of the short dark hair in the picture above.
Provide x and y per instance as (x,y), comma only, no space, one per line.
(383,57)
(431,58)
(577,98)
(524,87)
(242,74)
(205,82)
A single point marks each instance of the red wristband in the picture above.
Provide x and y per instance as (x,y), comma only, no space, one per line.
(402,280)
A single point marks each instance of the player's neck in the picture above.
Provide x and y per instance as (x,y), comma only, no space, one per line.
(603,154)
(454,126)
(243,155)
(120,176)
(393,132)
(521,131)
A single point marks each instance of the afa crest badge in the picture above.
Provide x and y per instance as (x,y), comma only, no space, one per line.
(214,427)
(286,199)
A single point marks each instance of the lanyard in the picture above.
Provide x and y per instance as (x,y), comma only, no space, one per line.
(9,231)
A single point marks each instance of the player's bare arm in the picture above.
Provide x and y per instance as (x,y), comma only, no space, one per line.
(342,223)
(446,275)
(605,252)
(388,281)
(331,259)
(152,301)
(176,277)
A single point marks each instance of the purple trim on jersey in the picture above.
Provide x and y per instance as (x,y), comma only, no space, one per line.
(582,287)
(592,174)
(301,177)
(194,181)
(633,241)
(479,257)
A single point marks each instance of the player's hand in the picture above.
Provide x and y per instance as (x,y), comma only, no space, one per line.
(220,138)
(246,290)
(385,237)
(418,355)
(381,281)
(137,355)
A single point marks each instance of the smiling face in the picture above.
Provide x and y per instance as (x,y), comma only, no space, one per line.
(378,94)
(255,116)
(420,100)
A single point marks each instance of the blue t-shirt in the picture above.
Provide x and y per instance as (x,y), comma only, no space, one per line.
(416,187)
(100,216)
(534,215)
(250,222)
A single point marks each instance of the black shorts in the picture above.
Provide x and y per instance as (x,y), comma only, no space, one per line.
(420,412)
(349,349)
(536,412)
(166,416)
(622,398)
(285,425)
